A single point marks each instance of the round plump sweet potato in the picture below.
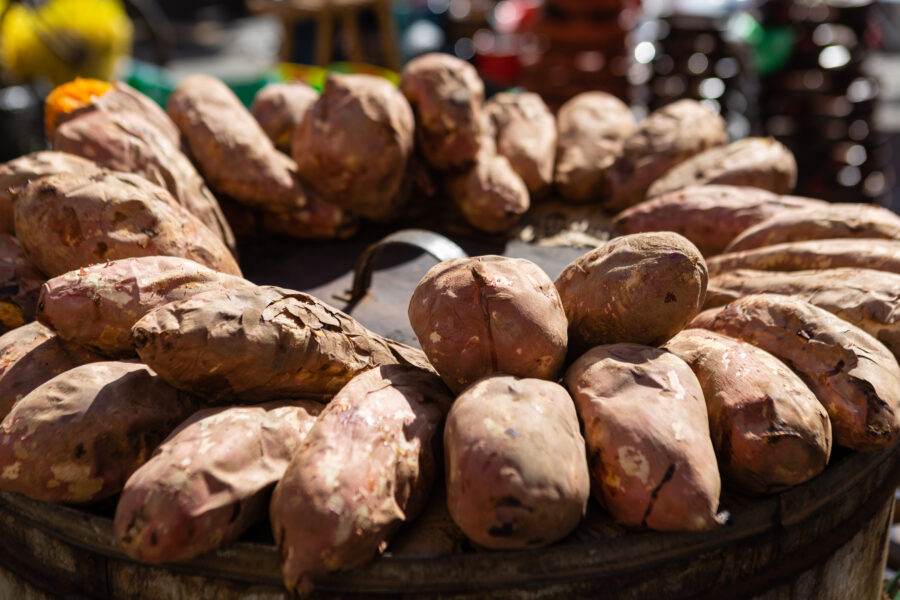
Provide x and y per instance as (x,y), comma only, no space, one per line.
(641,288)
(489,314)
(592,129)
(490,195)
(878,254)
(517,474)
(651,458)
(279,109)
(354,143)
(525,133)
(196,493)
(769,430)
(756,162)
(447,96)
(72,220)
(852,374)
(708,215)
(20,284)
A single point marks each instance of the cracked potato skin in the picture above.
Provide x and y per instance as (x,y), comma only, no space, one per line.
(645,422)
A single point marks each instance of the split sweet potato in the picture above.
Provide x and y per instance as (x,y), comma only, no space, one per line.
(525,133)
(279,109)
(878,254)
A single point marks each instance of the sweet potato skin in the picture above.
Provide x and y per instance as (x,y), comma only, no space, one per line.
(489,314)
(97,306)
(196,494)
(113,415)
(878,254)
(768,429)
(365,467)
(253,344)
(641,288)
(516,470)
(525,133)
(490,195)
(20,284)
(651,458)
(71,220)
(852,374)
(279,109)
(708,215)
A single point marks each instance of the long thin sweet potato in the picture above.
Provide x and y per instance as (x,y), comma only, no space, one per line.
(878,254)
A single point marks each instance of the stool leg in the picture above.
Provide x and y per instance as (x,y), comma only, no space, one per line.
(387,35)
(353,45)
(324,35)
(287,43)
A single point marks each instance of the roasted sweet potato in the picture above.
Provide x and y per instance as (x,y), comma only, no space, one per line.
(96,306)
(592,129)
(651,458)
(20,284)
(489,314)
(490,195)
(708,215)
(72,220)
(705,319)
(366,466)
(517,474)
(77,437)
(852,374)
(666,138)
(879,254)
(769,430)
(641,288)
(447,96)
(254,344)
(832,221)
(279,109)
(197,493)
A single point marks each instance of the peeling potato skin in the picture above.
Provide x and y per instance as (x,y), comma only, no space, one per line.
(447,97)
(708,215)
(490,195)
(879,254)
(97,306)
(489,314)
(366,467)
(114,414)
(32,355)
(649,449)
(196,493)
(354,144)
(68,221)
(516,469)
(769,430)
(279,109)
(525,133)
(20,284)
(853,375)
(666,138)
(592,129)
(255,344)
(641,288)
(828,222)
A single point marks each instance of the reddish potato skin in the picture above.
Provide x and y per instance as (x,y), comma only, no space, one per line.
(365,468)
(447,97)
(20,283)
(196,494)
(112,415)
(489,314)
(525,133)
(97,306)
(852,374)
(878,254)
(68,221)
(651,458)
(705,319)
(490,195)
(516,470)
(641,288)
(769,430)
(279,109)
(708,215)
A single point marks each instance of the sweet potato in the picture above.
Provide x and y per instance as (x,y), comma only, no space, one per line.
(705,319)
(651,458)
(254,344)
(20,284)
(366,466)
(31,355)
(279,109)
(852,374)
(828,222)
(517,474)
(592,129)
(878,254)
(666,138)
(642,288)
(768,429)
(865,297)
(71,220)
(197,493)
(489,314)
(77,437)
(708,215)
(447,96)
(97,306)
(490,195)
(525,133)
(315,220)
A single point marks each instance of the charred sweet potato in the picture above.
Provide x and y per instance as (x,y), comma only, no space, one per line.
(279,109)
(20,284)
(365,468)
(878,254)
(490,195)
(525,133)
(197,493)
(651,458)
(769,430)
